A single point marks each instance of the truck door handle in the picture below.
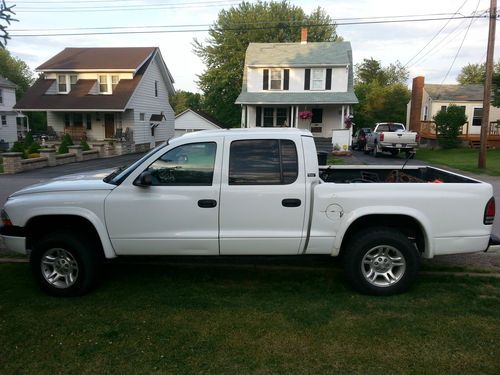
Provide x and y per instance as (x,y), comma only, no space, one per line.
(207,203)
(290,202)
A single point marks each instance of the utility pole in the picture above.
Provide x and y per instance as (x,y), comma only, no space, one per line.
(485,124)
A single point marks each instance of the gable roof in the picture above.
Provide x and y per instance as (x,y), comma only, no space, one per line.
(4,82)
(79,98)
(203,115)
(458,93)
(289,54)
(117,58)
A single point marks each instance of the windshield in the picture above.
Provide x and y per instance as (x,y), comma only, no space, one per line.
(120,174)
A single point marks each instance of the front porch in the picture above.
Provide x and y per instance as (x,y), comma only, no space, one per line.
(427,130)
(321,120)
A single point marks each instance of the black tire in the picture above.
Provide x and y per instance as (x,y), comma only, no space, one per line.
(365,245)
(77,258)
(394,152)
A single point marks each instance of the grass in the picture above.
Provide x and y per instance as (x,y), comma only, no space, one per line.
(464,159)
(159,319)
(334,160)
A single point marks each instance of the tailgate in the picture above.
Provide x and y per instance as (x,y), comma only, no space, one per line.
(400,137)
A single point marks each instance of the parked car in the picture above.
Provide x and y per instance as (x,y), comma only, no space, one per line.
(248,192)
(359,138)
(391,137)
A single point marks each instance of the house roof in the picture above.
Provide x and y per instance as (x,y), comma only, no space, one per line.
(310,97)
(458,93)
(118,58)
(79,98)
(4,82)
(324,53)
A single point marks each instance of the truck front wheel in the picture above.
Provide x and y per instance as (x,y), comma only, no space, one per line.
(381,261)
(65,264)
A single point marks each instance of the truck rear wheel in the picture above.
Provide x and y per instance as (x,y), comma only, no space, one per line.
(381,261)
(65,264)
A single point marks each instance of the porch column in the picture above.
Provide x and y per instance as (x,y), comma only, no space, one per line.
(296,116)
(342,118)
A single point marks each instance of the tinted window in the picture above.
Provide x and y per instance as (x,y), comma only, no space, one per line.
(263,162)
(191,164)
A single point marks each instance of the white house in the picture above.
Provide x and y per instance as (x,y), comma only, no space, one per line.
(105,93)
(191,121)
(284,82)
(8,125)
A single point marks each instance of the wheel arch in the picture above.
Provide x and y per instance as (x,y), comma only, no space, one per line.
(39,225)
(407,224)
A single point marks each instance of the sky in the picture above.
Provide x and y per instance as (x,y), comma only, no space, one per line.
(388,42)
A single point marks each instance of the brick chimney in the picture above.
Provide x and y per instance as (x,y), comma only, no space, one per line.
(417,92)
(303,35)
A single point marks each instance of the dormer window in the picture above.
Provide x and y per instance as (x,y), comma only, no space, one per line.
(114,82)
(72,80)
(103,84)
(275,79)
(62,84)
(318,79)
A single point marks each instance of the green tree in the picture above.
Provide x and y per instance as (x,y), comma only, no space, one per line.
(224,51)
(448,122)
(17,71)
(382,93)
(476,73)
(183,100)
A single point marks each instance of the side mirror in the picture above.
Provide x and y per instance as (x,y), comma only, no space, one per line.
(145,179)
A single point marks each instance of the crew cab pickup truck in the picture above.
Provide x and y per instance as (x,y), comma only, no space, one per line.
(248,192)
(391,137)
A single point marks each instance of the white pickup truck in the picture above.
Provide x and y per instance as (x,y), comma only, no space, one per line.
(391,137)
(248,192)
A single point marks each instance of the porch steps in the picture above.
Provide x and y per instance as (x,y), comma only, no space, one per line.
(477,144)
(323,144)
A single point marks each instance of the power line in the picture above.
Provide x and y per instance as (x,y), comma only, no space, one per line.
(235,28)
(461,44)
(435,35)
(275,22)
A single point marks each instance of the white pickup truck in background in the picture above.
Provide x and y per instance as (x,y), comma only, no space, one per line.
(391,137)
(248,192)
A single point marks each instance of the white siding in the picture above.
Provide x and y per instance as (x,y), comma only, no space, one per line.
(190,121)
(296,83)
(144,101)
(8,132)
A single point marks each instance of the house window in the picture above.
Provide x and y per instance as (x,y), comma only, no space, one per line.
(72,80)
(281,117)
(67,120)
(62,86)
(4,120)
(88,121)
(142,116)
(1,97)
(477,118)
(443,108)
(275,79)
(318,79)
(103,84)
(425,113)
(114,82)
(156,88)
(274,117)
(268,117)
(77,119)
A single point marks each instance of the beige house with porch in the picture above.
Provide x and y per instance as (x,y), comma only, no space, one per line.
(105,94)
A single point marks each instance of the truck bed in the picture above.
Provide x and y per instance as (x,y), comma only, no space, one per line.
(389,174)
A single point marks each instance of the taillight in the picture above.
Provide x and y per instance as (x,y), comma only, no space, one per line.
(5,218)
(381,137)
(489,212)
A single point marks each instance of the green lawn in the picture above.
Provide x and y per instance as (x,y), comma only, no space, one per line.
(148,319)
(464,159)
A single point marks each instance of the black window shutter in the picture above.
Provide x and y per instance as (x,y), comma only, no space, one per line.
(317,117)
(265,80)
(258,117)
(328,83)
(286,79)
(307,79)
